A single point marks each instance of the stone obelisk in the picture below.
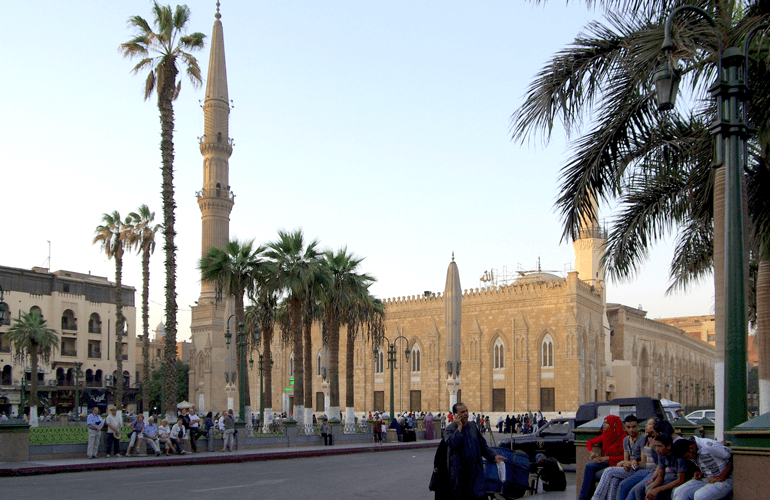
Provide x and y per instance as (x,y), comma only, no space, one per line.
(453,304)
(216,202)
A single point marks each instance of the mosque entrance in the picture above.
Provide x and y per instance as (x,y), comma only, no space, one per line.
(498,399)
(379,401)
(547,399)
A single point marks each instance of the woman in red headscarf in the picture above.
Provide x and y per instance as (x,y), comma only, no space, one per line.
(610,453)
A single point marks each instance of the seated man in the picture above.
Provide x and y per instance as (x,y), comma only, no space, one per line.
(715,461)
(137,427)
(668,475)
(164,435)
(151,436)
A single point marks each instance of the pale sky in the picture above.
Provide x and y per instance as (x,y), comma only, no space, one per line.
(383,126)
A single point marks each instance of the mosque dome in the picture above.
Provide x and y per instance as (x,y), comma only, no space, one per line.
(536,277)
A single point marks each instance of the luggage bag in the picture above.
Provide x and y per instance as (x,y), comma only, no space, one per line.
(516,480)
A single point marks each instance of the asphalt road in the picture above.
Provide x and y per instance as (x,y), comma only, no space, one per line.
(396,474)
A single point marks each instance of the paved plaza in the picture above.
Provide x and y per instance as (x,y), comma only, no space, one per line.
(344,472)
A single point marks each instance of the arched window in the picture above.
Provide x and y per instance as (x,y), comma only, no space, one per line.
(379,362)
(95,324)
(36,308)
(68,321)
(291,364)
(7,377)
(318,364)
(547,351)
(499,354)
(98,378)
(7,317)
(415,358)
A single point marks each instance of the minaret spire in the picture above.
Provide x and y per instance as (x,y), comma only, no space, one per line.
(215,200)
(453,310)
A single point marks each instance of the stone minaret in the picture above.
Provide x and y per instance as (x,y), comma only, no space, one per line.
(453,303)
(216,202)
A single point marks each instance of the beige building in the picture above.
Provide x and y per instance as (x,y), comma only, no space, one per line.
(698,327)
(81,309)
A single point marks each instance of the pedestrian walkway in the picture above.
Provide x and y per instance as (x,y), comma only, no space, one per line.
(244,455)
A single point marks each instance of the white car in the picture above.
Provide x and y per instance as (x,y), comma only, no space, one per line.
(699,414)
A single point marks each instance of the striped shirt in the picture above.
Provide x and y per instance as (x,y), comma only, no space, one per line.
(712,458)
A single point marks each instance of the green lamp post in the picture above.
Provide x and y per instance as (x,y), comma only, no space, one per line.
(78,373)
(391,363)
(241,344)
(730,91)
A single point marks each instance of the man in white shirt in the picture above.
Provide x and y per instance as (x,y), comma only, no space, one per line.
(715,461)
(195,431)
(94,424)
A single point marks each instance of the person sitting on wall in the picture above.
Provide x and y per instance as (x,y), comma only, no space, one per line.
(611,442)
(177,436)
(669,474)
(164,436)
(394,424)
(150,435)
(715,461)
(137,427)
(633,459)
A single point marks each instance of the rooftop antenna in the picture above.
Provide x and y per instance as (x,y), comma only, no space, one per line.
(48,260)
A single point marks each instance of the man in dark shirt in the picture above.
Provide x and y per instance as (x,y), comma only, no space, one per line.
(466,446)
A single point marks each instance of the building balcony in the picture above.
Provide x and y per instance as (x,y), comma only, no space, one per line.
(95,354)
(69,352)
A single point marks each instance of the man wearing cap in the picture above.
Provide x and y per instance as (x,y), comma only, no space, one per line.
(715,461)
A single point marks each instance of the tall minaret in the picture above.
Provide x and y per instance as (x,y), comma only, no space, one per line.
(216,202)
(453,311)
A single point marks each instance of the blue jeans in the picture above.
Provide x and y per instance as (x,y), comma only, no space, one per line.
(589,476)
(626,485)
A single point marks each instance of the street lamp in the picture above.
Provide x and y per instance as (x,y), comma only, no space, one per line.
(731,131)
(391,362)
(241,343)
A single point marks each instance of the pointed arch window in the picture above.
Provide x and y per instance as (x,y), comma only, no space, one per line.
(415,358)
(318,364)
(379,362)
(291,364)
(499,351)
(547,351)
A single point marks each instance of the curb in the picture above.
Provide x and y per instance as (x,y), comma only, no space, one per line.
(132,463)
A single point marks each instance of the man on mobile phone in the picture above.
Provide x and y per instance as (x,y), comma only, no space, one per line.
(466,446)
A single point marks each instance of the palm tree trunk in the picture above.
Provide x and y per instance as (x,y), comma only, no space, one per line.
(763,329)
(33,400)
(166,107)
(350,419)
(146,329)
(119,323)
(296,326)
(241,351)
(308,361)
(334,363)
(267,368)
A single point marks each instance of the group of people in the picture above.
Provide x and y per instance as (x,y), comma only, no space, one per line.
(158,438)
(525,423)
(656,464)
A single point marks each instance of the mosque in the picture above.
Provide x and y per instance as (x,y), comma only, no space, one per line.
(539,342)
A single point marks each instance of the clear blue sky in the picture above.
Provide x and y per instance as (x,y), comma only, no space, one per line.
(383,126)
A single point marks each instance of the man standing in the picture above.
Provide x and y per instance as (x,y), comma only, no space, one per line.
(94,423)
(195,431)
(715,461)
(466,446)
(228,434)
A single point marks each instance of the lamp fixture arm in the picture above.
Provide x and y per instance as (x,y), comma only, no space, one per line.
(668,43)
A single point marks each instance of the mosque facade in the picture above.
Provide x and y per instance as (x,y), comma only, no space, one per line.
(541,342)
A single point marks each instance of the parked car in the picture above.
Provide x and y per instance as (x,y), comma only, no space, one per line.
(672,409)
(699,414)
(555,439)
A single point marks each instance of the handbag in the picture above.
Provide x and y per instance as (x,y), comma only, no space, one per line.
(433,480)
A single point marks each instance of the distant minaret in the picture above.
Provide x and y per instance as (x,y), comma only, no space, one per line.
(589,249)
(216,202)
(453,304)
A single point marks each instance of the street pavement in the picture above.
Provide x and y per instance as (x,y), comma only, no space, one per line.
(396,470)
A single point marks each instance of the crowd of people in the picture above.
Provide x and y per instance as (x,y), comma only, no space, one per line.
(161,437)
(656,464)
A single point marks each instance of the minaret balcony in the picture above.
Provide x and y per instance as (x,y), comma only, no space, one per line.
(215,193)
(217,147)
(597,232)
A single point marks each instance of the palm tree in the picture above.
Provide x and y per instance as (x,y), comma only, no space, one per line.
(233,271)
(366,316)
(111,235)
(140,233)
(31,338)
(658,165)
(264,297)
(162,46)
(311,312)
(344,289)
(296,265)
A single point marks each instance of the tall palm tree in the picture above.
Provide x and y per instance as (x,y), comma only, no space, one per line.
(162,47)
(233,270)
(264,297)
(658,165)
(111,235)
(344,289)
(31,338)
(365,316)
(311,312)
(297,264)
(141,231)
